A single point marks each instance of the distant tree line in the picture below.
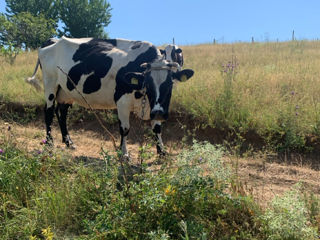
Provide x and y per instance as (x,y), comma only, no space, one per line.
(28,23)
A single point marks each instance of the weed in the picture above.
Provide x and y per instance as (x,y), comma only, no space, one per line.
(288,218)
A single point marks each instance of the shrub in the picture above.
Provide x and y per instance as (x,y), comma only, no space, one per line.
(184,203)
(288,219)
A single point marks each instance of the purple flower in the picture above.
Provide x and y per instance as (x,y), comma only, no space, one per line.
(39,152)
(44,141)
(9,128)
(297,106)
(1,151)
(297,113)
(292,93)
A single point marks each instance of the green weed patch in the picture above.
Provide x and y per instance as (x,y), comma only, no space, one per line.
(46,194)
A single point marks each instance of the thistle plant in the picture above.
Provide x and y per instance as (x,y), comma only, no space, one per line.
(225,106)
(229,72)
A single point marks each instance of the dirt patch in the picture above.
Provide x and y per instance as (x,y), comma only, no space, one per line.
(264,179)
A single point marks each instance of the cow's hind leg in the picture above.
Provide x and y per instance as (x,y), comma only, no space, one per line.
(156,128)
(48,115)
(61,113)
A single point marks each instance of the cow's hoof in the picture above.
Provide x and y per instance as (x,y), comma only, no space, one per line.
(69,144)
(125,157)
(71,147)
(162,153)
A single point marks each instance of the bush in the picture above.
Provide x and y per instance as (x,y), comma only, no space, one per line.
(39,194)
(288,218)
(185,203)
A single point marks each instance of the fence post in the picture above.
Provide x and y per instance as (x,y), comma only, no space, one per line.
(293,38)
(173,42)
(252,39)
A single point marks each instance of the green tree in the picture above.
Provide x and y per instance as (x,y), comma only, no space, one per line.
(48,8)
(84,18)
(7,31)
(25,30)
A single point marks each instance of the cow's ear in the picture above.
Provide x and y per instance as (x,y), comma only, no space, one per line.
(134,80)
(178,50)
(183,75)
(162,51)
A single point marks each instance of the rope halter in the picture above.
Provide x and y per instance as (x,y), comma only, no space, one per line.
(167,66)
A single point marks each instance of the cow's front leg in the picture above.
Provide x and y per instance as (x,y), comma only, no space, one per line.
(156,128)
(124,131)
(124,116)
(61,113)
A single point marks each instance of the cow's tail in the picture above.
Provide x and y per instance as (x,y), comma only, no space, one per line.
(32,80)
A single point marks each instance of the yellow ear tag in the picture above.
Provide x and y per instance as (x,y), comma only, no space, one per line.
(134,81)
(183,78)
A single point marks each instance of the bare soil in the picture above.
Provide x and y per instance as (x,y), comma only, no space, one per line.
(261,176)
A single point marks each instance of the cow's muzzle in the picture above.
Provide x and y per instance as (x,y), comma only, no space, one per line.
(158,115)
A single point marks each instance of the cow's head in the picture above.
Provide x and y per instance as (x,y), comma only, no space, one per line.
(173,53)
(157,80)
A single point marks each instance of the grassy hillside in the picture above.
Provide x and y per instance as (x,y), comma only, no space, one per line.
(272,89)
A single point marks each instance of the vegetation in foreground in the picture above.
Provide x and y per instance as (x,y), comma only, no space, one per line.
(46,194)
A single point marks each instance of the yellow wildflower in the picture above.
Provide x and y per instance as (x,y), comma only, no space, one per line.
(169,190)
(47,233)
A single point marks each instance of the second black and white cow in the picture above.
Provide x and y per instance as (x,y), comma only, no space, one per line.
(109,74)
(173,53)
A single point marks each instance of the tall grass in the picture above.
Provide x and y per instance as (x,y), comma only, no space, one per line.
(13,88)
(275,89)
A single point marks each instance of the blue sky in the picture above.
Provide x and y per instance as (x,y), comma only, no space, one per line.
(193,22)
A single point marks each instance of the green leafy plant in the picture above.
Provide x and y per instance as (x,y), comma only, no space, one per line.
(288,218)
(182,203)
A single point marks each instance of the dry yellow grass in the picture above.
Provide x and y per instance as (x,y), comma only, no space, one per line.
(274,81)
(13,88)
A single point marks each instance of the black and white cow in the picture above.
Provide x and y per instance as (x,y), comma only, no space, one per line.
(109,74)
(173,53)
